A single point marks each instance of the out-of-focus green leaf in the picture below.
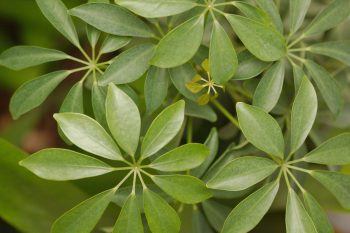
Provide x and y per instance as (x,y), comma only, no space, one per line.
(339,50)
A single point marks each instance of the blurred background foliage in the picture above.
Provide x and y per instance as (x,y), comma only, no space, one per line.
(22,194)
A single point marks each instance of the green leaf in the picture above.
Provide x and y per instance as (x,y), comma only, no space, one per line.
(216,213)
(261,129)
(318,215)
(25,99)
(164,128)
(334,151)
(200,224)
(303,114)
(337,183)
(328,86)
(252,12)
(88,134)
(129,65)
(21,57)
(265,42)
(182,158)
(113,43)
(93,35)
(88,212)
(339,50)
(242,173)
(156,88)
(98,100)
(112,19)
(129,219)
(270,7)
(74,100)
(123,118)
(248,213)
(270,86)
(298,75)
(56,12)
(297,219)
(186,189)
(205,112)
(298,10)
(329,17)
(157,8)
(161,217)
(222,55)
(60,164)
(249,66)
(180,44)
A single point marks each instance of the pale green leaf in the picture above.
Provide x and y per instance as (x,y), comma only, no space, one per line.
(249,66)
(261,129)
(303,114)
(156,88)
(265,42)
(33,93)
(270,7)
(21,57)
(182,158)
(164,128)
(74,100)
(328,86)
(248,213)
(60,164)
(186,189)
(205,112)
(88,134)
(242,173)
(113,43)
(161,217)
(339,50)
(337,183)
(297,219)
(123,118)
(157,8)
(298,10)
(56,12)
(129,219)
(98,100)
(180,44)
(329,17)
(112,19)
(270,86)
(129,65)
(216,213)
(298,75)
(252,12)
(93,35)
(335,151)
(88,212)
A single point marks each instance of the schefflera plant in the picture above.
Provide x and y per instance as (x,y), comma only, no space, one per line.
(124,123)
(263,131)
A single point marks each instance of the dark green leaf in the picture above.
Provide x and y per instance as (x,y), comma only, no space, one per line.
(205,112)
(249,66)
(216,213)
(113,43)
(98,100)
(271,8)
(156,88)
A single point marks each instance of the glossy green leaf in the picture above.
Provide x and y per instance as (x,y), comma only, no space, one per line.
(88,212)
(113,43)
(21,57)
(112,19)
(298,10)
(157,8)
(129,219)
(164,128)
(88,134)
(156,88)
(249,66)
(56,12)
(242,173)
(329,17)
(222,55)
(297,218)
(60,164)
(303,114)
(26,99)
(123,118)
(335,151)
(161,217)
(98,100)
(182,158)
(270,86)
(186,189)
(337,183)
(129,65)
(265,42)
(180,44)
(270,7)
(248,213)
(339,50)
(261,129)
(216,213)
(328,86)
(318,215)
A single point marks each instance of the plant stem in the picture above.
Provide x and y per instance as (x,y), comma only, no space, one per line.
(296,181)
(134,182)
(296,161)
(79,69)
(302,36)
(144,186)
(85,54)
(299,169)
(223,110)
(286,178)
(123,180)
(189,134)
(78,60)
(146,173)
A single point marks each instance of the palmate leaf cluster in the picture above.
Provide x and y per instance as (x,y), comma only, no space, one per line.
(252,52)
